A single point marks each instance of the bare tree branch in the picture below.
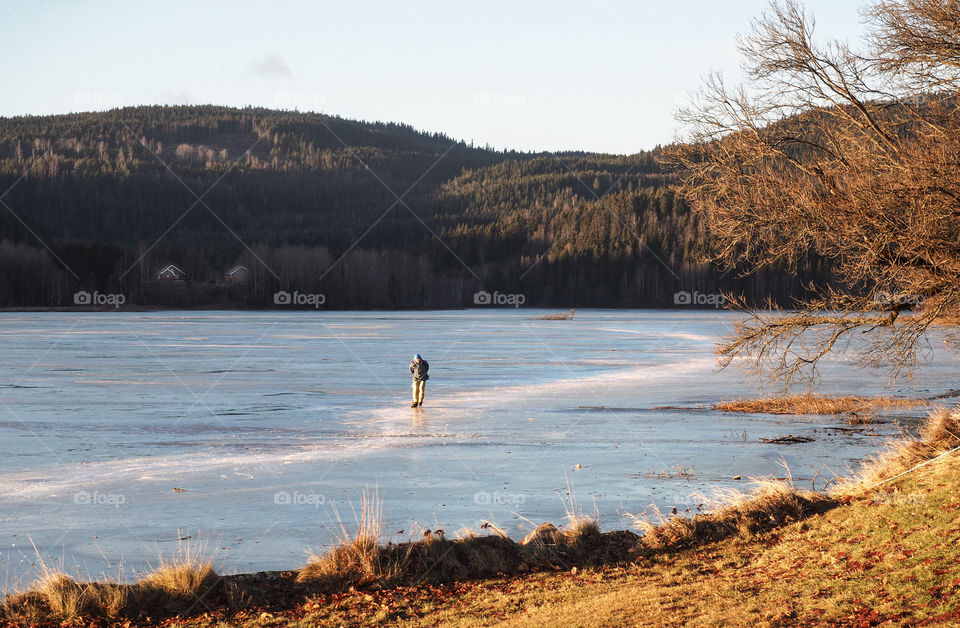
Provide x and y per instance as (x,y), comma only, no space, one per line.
(850,155)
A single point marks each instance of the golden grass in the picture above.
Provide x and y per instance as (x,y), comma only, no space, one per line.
(815,404)
(177,584)
(560,316)
(353,563)
(183,580)
(580,525)
(360,561)
(772,505)
(65,597)
(939,434)
(180,582)
(356,559)
(580,529)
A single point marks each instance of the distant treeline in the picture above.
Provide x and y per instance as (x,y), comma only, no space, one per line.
(369,215)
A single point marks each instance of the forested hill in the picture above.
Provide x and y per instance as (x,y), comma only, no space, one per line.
(367,214)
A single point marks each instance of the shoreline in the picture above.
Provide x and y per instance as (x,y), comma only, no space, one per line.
(360,568)
(579,546)
(452,308)
(910,422)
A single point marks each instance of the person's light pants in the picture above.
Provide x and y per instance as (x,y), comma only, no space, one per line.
(418,387)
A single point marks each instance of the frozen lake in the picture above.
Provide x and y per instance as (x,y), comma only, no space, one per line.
(266,422)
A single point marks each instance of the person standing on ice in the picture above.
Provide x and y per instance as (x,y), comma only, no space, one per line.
(419,368)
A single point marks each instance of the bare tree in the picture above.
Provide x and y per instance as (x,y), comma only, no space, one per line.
(919,40)
(850,155)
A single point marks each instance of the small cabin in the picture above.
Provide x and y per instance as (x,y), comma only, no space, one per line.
(171,273)
(236,274)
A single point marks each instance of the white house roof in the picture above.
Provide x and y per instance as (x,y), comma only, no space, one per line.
(170,268)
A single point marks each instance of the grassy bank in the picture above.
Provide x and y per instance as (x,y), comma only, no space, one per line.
(865,554)
(817,404)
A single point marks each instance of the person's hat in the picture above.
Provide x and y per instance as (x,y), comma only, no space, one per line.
(417,357)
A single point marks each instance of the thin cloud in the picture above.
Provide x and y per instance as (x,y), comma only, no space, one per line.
(272,65)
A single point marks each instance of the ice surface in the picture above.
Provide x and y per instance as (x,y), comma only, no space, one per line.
(272,421)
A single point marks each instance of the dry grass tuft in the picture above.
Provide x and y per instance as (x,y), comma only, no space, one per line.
(939,434)
(353,563)
(815,404)
(356,559)
(580,529)
(114,599)
(560,316)
(176,585)
(60,597)
(494,529)
(772,505)
(179,582)
(64,596)
(360,561)
(580,542)
(579,524)
(181,579)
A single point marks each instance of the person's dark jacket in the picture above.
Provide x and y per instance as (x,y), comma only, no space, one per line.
(419,371)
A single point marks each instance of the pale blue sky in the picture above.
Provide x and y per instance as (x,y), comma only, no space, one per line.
(601,76)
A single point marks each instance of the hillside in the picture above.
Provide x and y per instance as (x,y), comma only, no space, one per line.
(308,202)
